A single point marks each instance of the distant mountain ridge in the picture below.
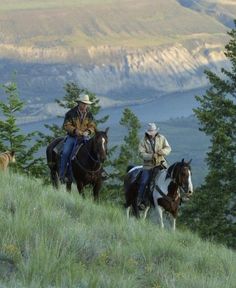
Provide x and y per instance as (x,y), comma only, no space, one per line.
(223,11)
(131,49)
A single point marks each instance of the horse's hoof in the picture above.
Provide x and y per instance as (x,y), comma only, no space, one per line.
(185,199)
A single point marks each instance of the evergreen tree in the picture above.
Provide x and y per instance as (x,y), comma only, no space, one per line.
(11,137)
(128,154)
(212,211)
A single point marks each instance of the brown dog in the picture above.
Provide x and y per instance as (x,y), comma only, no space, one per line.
(6,158)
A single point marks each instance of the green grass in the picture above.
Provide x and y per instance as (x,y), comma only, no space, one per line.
(80,24)
(60,240)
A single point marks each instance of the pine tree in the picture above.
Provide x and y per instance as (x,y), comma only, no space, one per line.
(213,209)
(128,154)
(11,137)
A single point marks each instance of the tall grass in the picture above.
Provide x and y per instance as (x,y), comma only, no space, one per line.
(56,239)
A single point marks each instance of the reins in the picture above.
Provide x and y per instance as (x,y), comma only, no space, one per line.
(91,157)
(168,198)
(85,169)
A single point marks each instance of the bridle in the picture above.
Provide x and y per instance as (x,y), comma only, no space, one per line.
(76,160)
(175,180)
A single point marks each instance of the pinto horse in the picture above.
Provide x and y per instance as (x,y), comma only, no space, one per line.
(165,188)
(86,163)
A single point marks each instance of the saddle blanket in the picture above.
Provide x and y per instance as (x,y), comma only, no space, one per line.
(135,168)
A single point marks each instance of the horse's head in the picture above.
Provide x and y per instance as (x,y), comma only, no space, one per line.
(181,173)
(100,141)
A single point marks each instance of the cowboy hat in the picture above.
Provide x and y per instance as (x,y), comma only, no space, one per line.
(85,99)
(152,129)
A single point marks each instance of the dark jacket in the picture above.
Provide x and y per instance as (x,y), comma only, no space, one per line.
(82,122)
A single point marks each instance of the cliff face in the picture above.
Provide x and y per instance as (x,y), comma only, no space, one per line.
(123,50)
(163,69)
(117,73)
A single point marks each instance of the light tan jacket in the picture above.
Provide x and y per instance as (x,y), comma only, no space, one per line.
(161,146)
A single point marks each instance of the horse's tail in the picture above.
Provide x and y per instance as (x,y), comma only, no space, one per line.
(131,188)
(49,151)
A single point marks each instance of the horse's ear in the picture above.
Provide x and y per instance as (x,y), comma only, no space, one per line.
(182,161)
(106,130)
(12,153)
(189,161)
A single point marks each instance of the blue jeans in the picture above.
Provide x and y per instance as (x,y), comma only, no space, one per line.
(68,147)
(143,183)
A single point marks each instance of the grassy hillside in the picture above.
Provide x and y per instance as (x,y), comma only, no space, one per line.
(81,23)
(53,239)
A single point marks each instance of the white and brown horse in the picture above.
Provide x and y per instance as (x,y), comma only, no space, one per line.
(165,189)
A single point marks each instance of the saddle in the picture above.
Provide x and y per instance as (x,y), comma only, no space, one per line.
(154,174)
(59,146)
(56,146)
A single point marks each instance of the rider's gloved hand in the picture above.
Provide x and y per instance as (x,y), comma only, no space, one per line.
(86,133)
(78,132)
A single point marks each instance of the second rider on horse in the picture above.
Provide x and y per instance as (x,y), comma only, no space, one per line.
(152,148)
(79,125)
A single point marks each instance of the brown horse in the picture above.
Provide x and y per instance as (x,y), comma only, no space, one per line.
(86,164)
(165,188)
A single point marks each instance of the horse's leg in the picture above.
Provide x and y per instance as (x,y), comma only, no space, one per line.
(96,188)
(128,212)
(160,215)
(131,195)
(145,212)
(173,223)
(54,178)
(68,186)
(159,211)
(80,188)
(135,207)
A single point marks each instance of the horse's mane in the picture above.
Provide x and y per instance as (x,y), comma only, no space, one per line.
(170,170)
(173,166)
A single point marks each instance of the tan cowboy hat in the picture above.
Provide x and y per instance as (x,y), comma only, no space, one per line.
(152,129)
(85,100)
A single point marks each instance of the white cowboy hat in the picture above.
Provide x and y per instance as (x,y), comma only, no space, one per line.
(152,129)
(85,99)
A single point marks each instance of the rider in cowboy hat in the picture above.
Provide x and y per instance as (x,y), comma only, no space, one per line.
(152,149)
(78,123)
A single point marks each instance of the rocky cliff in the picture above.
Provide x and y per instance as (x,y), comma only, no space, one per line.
(122,50)
(118,72)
